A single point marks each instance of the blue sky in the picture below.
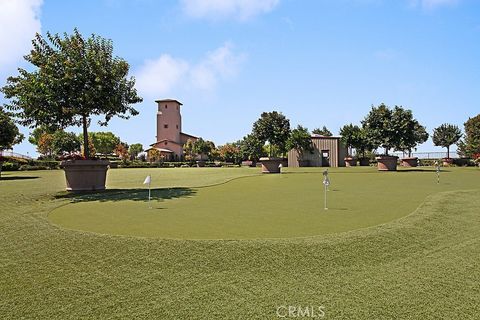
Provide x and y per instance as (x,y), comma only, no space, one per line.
(320,62)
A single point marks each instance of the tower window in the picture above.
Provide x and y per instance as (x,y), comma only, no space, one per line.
(177,107)
(165,126)
(177,126)
(166,142)
(166,107)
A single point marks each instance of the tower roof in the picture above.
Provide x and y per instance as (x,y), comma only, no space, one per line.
(169,100)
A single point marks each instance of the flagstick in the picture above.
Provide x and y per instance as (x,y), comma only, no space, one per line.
(149,204)
(326,197)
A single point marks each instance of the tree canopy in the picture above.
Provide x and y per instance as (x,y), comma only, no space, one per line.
(470,146)
(351,134)
(323,131)
(273,127)
(300,140)
(74,79)
(446,135)
(9,133)
(393,129)
(135,149)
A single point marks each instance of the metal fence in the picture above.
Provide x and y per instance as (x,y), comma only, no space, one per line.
(428,155)
(14,155)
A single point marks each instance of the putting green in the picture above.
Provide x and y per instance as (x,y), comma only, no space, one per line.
(264,206)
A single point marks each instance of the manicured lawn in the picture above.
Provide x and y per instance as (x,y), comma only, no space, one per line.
(421,263)
(260,206)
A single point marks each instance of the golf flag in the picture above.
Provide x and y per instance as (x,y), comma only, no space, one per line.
(148,179)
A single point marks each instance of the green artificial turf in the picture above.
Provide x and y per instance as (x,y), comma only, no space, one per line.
(261,206)
(421,266)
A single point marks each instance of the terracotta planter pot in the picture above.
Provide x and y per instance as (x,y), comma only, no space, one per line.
(410,162)
(364,162)
(447,161)
(304,163)
(85,175)
(271,165)
(350,162)
(387,163)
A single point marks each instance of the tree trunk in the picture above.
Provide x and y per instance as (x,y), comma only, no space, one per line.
(86,149)
(448,152)
(386,151)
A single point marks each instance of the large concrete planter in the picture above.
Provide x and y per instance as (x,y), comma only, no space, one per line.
(201,163)
(364,162)
(387,163)
(85,175)
(350,162)
(447,162)
(409,162)
(271,165)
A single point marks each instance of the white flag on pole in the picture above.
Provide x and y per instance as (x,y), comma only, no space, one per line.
(148,179)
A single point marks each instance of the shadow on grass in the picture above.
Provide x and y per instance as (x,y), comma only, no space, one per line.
(18,177)
(127,194)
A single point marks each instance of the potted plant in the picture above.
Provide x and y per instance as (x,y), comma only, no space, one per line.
(251,149)
(300,140)
(351,134)
(412,135)
(274,128)
(74,79)
(380,131)
(444,136)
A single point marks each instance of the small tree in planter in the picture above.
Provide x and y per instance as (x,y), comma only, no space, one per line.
(470,146)
(9,134)
(274,128)
(382,132)
(201,148)
(75,79)
(444,136)
(351,134)
(362,145)
(411,134)
(301,141)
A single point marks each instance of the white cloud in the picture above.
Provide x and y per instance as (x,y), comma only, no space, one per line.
(432,4)
(19,21)
(166,74)
(222,9)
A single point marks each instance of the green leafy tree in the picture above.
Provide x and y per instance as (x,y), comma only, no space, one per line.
(202,148)
(351,136)
(74,78)
(446,135)
(300,140)
(135,149)
(9,133)
(251,148)
(65,143)
(323,132)
(410,132)
(37,133)
(104,142)
(380,129)
(188,150)
(230,152)
(470,147)
(362,145)
(274,128)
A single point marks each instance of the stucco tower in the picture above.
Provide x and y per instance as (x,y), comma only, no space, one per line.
(169,120)
(170,138)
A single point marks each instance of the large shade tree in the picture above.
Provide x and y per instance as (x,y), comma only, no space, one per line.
(323,131)
(73,80)
(274,128)
(9,133)
(410,132)
(446,135)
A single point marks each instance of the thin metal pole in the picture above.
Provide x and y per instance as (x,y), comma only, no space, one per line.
(325,198)
(149,204)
